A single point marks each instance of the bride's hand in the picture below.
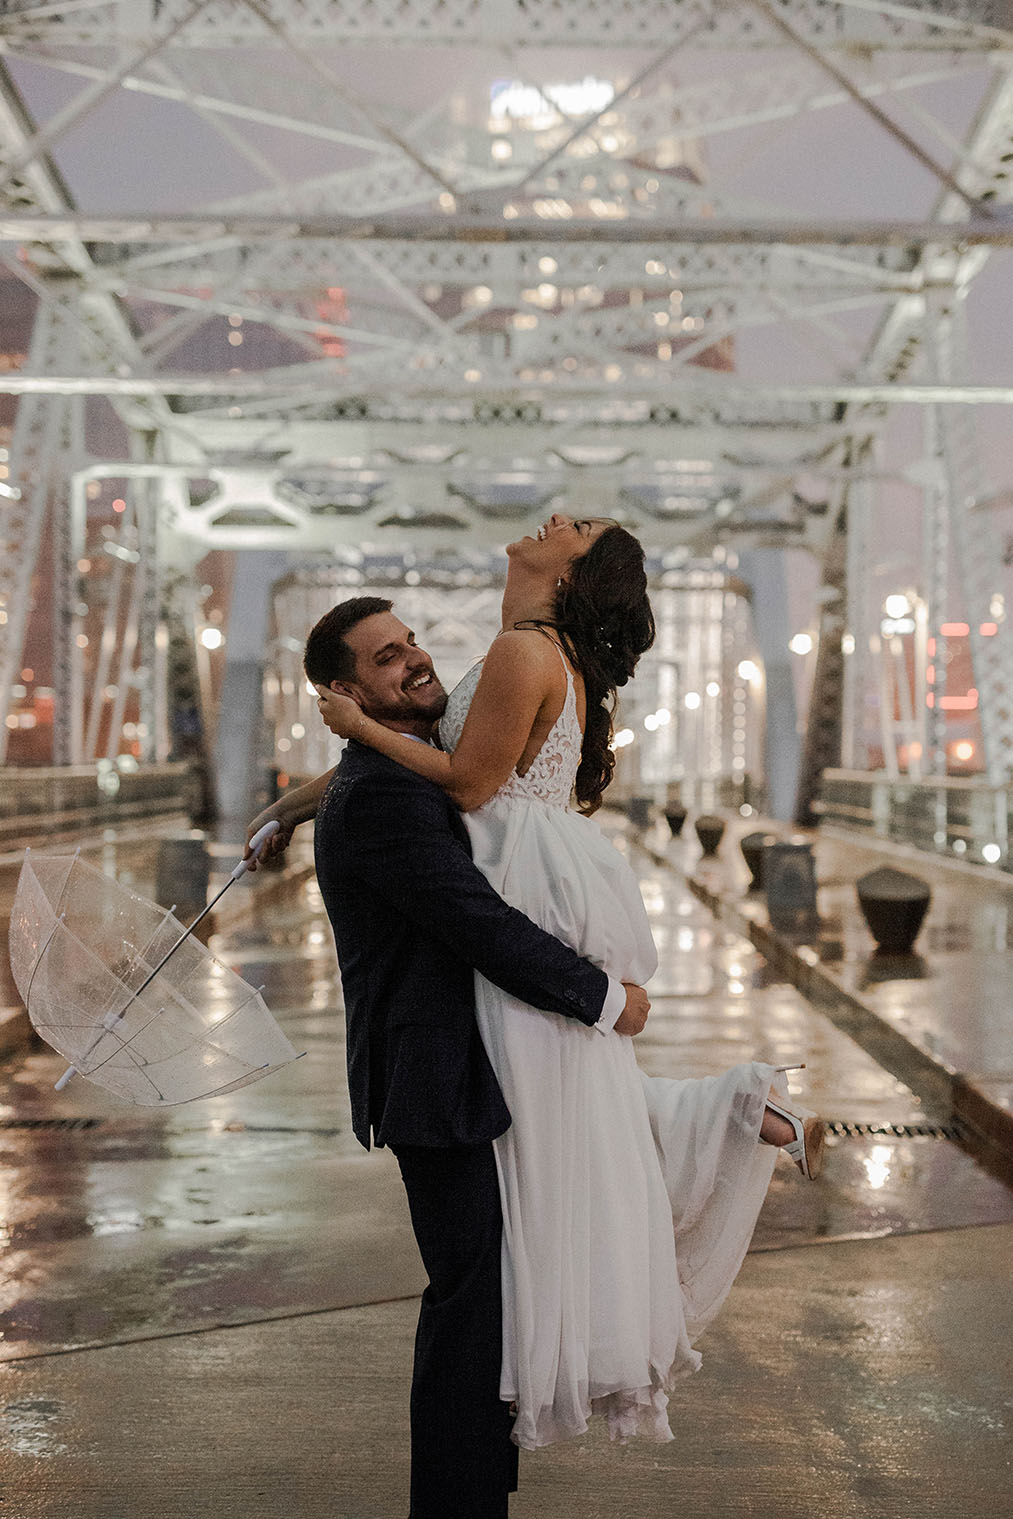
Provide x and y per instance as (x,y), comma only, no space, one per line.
(340,713)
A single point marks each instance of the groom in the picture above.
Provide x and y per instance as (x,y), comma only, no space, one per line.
(413,918)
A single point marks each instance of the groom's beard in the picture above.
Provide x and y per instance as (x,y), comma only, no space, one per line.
(424,705)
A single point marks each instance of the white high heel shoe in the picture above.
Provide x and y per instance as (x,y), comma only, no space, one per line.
(806,1149)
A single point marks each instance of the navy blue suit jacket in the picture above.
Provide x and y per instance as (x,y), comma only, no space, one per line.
(413,917)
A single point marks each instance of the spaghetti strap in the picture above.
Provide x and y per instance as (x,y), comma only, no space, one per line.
(566,664)
(536,627)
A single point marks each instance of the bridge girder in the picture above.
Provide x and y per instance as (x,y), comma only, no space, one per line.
(974,25)
(532,283)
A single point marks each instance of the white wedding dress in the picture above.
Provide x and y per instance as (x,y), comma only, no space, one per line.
(602,1296)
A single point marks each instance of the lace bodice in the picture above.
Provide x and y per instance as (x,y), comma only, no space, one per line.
(553,770)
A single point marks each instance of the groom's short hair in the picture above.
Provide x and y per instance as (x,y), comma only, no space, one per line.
(327,656)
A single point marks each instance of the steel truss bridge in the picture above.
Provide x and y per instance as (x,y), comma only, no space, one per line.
(477,294)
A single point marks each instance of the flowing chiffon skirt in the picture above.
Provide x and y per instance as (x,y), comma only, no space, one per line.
(628,1201)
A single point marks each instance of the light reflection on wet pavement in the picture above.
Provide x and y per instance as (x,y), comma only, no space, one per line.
(261,1204)
(939,1017)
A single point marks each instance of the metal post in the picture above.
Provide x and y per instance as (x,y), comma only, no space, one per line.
(148,529)
(935,590)
(66,674)
(855,653)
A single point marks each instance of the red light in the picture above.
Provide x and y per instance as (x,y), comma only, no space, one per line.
(960,703)
(119,505)
(989,629)
(954,630)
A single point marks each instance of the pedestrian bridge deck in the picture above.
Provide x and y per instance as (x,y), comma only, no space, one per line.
(209,1310)
(940,1018)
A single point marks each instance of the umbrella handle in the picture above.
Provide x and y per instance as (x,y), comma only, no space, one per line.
(257,843)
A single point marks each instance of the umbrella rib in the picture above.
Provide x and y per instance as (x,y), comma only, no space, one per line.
(144,1067)
(139,955)
(200,1039)
(50,1024)
(42,956)
(124,1047)
(121,1045)
(141,1071)
(253,1071)
(213,1027)
(171,951)
(203,1039)
(66,883)
(57,914)
(200,1042)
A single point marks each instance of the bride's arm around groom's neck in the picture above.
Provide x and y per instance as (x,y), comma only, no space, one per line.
(291,809)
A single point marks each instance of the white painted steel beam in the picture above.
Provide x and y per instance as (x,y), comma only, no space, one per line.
(994,229)
(893,25)
(273,383)
(41,142)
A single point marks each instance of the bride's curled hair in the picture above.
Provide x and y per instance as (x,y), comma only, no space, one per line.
(603,617)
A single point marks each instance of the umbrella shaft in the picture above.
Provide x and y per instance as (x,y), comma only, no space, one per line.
(111,1024)
(181,940)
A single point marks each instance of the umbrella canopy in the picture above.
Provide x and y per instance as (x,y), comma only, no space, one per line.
(82,948)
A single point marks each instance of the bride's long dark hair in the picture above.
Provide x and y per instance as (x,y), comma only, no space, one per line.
(604,621)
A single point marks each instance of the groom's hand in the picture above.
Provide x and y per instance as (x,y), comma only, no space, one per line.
(634,1015)
(273,848)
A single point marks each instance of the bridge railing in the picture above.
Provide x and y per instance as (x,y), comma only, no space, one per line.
(953,815)
(59,799)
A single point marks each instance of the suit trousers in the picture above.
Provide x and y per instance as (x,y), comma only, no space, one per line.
(463,1463)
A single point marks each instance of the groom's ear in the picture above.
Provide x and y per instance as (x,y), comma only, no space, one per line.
(345,688)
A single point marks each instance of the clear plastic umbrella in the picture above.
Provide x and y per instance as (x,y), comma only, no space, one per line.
(117,985)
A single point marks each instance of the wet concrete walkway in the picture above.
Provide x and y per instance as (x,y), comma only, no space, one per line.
(941,1017)
(209,1311)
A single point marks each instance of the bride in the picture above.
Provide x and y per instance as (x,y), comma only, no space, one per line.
(602,1297)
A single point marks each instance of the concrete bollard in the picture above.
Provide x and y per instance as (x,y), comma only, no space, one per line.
(638,810)
(675,816)
(754,847)
(710,831)
(789,873)
(894,905)
(183,875)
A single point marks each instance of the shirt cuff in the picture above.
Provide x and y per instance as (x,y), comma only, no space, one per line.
(612,1007)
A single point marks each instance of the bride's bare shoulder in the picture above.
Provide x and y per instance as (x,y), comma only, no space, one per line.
(525,646)
(521,659)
